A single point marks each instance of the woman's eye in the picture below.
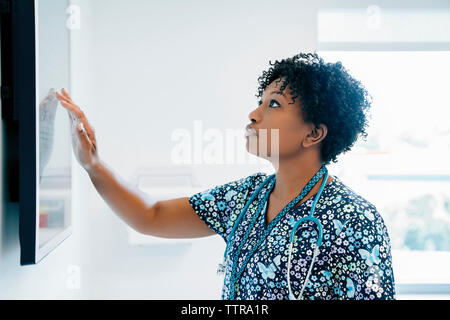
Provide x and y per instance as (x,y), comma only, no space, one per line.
(270,104)
(275,102)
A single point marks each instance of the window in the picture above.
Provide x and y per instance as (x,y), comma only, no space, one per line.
(403,167)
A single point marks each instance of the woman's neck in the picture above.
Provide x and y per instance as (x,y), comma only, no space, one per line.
(293,175)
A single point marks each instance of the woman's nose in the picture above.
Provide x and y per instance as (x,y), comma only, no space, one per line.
(254,116)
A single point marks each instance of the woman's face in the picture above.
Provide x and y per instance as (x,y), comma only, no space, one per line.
(275,112)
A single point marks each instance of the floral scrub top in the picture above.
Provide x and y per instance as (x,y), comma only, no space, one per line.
(355,256)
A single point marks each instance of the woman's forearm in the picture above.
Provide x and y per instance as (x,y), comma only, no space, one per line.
(130,204)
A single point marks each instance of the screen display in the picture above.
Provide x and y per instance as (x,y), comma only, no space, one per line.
(54,129)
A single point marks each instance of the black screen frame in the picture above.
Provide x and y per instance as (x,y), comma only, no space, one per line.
(24,100)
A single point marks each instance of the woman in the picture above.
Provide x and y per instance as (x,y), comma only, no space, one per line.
(319,111)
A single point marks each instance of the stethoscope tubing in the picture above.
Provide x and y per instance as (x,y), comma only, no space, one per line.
(311,214)
(310,217)
(316,246)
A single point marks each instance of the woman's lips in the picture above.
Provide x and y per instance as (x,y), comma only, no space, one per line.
(249,131)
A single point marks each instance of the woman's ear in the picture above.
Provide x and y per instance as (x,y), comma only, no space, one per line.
(317,134)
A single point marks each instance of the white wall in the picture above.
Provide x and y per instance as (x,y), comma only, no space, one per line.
(141,69)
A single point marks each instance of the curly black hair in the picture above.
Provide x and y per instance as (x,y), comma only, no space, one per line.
(328,95)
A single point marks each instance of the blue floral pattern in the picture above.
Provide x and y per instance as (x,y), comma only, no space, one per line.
(355,257)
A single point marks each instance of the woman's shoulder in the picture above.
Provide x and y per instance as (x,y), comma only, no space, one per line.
(352,207)
(234,188)
(251,181)
(219,205)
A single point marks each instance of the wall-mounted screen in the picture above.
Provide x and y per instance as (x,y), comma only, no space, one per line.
(53,47)
(40,57)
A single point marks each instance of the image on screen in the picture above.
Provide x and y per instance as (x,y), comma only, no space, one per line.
(53,73)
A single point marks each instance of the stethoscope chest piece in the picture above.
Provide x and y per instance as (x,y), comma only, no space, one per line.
(221,268)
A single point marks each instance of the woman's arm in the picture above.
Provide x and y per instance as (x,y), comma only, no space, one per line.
(173,218)
(168,219)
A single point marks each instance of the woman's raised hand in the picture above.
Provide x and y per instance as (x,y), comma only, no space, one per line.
(83,136)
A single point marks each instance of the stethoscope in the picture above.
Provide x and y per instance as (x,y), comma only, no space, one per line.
(235,277)
(316,245)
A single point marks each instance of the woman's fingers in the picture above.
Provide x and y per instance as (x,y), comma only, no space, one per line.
(69,105)
(66,95)
(62,98)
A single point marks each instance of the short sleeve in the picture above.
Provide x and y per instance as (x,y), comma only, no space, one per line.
(360,259)
(219,207)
